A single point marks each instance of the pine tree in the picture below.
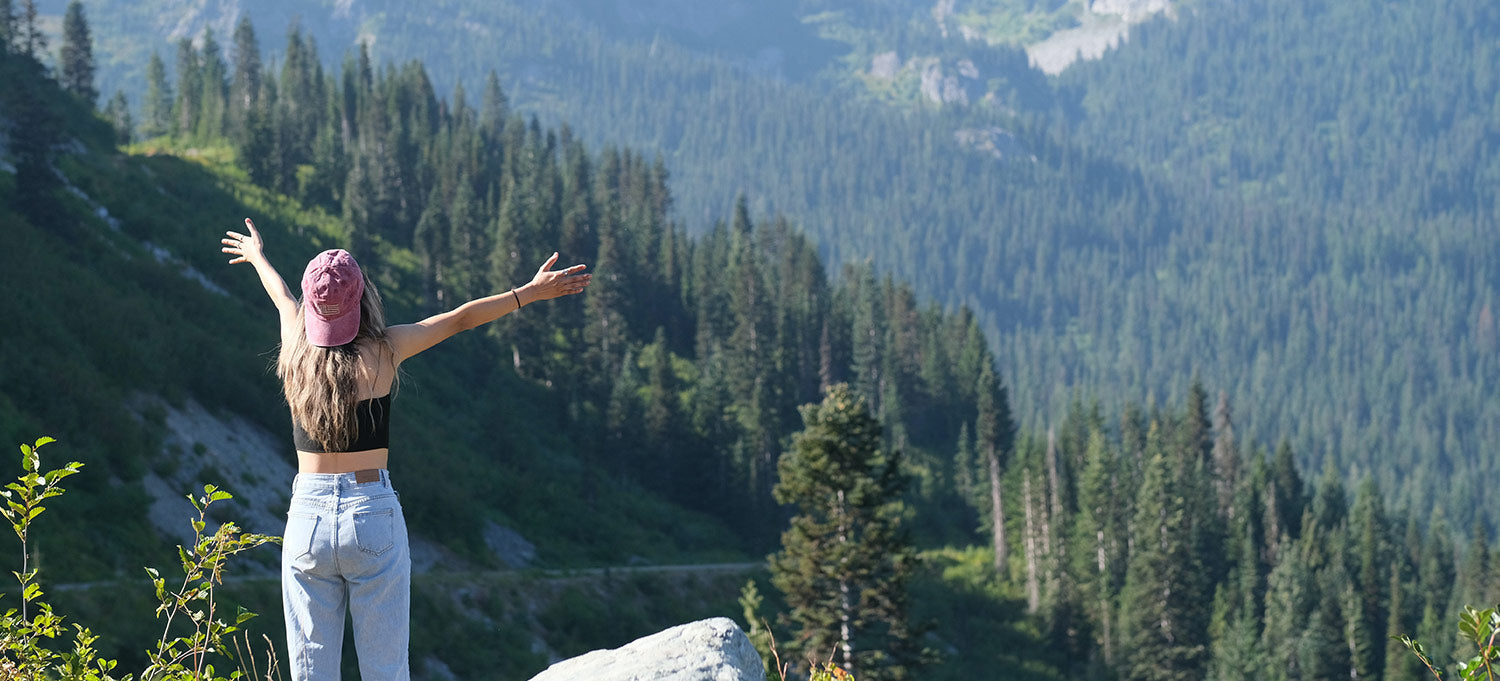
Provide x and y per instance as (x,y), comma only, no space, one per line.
(1400,664)
(750,350)
(1474,577)
(189,89)
(494,107)
(468,244)
(1288,497)
(212,78)
(1371,568)
(845,562)
(156,109)
(30,40)
(1226,460)
(1330,505)
(9,28)
(1096,536)
(867,334)
(623,417)
(244,88)
(1291,596)
(1165,600)
(118,113)
(992,438)
(430,241)
(76,60)
(965,482)
(1435,578)
(35,131)
(606,331)
(1331,639)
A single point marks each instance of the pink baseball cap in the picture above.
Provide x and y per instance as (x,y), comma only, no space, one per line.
(332,286)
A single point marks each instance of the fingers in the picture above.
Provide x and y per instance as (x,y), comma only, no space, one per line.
(253,232)
(550,262)
(239,255)
(576,284)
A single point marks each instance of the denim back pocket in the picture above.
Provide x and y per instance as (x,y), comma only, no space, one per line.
(373,531)
(300,529)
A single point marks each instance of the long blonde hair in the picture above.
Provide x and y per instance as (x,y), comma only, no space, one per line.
(322,384)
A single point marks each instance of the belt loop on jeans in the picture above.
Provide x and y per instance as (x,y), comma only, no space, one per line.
(366,476)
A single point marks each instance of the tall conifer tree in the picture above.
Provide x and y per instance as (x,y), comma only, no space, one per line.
(992,437)
(244,88)
(845,562)
(1165,600)
(30,40)
(9,28)
(156,108)
(76,59)
(189,88)
(213,78)
(118,113)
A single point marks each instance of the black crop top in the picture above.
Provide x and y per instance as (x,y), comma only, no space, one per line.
(373,417)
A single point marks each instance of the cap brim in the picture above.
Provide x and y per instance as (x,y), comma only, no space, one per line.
(328,333)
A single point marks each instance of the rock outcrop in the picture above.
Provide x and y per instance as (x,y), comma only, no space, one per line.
(708,650)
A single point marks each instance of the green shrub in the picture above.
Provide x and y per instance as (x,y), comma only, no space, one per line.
(201,637)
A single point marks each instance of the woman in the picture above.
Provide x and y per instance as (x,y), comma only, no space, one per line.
(345,544)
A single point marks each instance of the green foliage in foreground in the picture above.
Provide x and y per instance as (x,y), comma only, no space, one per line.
(187,652)
(1477,627)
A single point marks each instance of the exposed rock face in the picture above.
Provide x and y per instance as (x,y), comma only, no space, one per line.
(1132,11)
(508,545)
(1104,26)
(708,650)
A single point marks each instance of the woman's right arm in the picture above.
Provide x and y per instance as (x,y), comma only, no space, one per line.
(411,339)
(247,248)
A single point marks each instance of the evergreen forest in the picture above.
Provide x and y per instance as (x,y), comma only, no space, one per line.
(1076,502)
(1283,197)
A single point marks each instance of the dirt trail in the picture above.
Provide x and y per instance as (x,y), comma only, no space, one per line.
(550,575)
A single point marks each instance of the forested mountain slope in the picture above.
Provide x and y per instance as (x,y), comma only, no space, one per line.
(673,384)
(1281,196)
(639,423)
(680,372)
(1331,166)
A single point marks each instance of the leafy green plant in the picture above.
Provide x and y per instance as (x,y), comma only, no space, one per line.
(1481,627)
(829,671)
(24,651)
(188,656)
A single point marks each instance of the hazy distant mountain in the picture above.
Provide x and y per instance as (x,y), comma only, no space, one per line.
(839,41)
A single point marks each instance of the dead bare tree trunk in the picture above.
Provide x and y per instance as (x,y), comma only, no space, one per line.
(1104,615)
(1033,589)
(997,513)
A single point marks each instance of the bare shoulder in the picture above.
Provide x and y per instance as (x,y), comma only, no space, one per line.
(409,340)
(378,361)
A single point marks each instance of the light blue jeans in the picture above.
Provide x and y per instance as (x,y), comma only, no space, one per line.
(345,548)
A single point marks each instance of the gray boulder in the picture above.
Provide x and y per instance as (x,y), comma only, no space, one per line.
(708,650)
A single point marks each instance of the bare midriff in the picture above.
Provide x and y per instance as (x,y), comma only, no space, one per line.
(341,462)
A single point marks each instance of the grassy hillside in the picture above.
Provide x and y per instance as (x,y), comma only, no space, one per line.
(124,294)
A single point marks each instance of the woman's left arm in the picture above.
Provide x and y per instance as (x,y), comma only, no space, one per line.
(247,248)
(410,339)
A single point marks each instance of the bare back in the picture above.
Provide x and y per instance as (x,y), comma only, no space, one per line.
(377,376)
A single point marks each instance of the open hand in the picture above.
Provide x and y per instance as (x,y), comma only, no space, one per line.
(548,284)
(245,247)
